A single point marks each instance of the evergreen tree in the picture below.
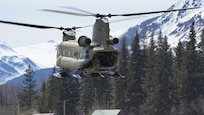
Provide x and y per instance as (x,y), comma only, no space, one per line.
(157,84)
(69,91)
(124,56)
(135,94)
(188,76)
(164,73)
(28,91)
(52,94)
(120,84)
(103,91)
(201,52)
(201,45)
(180,75)
(42,105)
(87,96)
(150,82)
(95,93)
(1,97)
(60,91)
(199,70)
(191,65)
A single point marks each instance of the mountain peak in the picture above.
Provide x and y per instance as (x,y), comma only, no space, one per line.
(5,48)
(174,25)
(46,53)
(12,64)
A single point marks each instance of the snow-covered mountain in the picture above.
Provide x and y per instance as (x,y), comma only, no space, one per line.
(12,64)
(43,54)
(40,76)
(174,25)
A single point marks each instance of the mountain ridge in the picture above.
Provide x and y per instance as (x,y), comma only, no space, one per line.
(174,25)
(43,54)
(12,64)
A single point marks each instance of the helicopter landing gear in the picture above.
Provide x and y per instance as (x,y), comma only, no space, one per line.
(101,75)
(112,74)
(64,73)
(116,74)
(61,74)
(57,75)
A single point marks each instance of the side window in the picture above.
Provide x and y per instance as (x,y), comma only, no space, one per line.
(63,53)
(71,54)
(76,55)
(68,53)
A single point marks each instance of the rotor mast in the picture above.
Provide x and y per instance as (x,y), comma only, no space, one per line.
(101,31)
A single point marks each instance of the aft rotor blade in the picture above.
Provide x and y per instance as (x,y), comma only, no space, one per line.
(154,12)
(31,25)
(66,12)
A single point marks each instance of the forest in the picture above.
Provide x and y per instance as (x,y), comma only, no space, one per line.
(160,80)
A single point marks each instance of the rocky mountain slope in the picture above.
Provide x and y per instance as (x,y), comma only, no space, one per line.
(174,25)
(12,64)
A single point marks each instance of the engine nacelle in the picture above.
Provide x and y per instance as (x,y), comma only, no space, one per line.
(114,41)
(84,41)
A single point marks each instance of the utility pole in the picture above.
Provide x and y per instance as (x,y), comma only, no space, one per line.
(64,106)
(18,106)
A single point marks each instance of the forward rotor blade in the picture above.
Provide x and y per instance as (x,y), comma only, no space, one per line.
(154,12)
(77,9)
(66,12)
(31,25)
(110,15)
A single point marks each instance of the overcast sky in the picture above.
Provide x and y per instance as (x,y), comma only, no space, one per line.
(27,11)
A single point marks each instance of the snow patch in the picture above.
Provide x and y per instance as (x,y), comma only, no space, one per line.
(44,54)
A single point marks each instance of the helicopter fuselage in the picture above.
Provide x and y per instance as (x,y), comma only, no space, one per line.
(92,58)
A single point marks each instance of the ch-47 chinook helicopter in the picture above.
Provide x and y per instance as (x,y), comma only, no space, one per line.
(85,55)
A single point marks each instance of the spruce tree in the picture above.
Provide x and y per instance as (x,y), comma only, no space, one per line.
(28,92)
(95,93)
(150,83)
(1,97)
(120,84)
(199,70)
(157,83)
(123,59)
(103,91)
(201,44)
(191,65)
(135,94)
(87,95)
(187,76)
(201,60)
(52,94)
(164,73)
(180,75)
(60,90)
(69,91)
(42,105)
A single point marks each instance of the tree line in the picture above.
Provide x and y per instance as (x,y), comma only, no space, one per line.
(160,80)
